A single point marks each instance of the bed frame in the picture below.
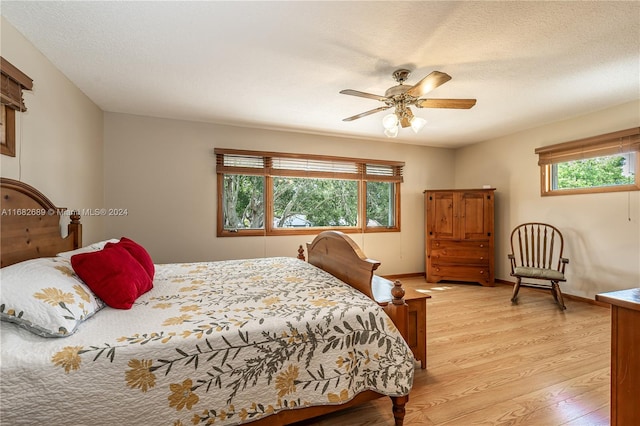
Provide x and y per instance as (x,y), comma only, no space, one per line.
(30,224)
(30,228)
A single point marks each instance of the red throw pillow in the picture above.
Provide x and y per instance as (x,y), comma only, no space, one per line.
(140,254)
(114,275)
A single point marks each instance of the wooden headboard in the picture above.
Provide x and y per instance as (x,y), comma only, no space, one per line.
(30,224)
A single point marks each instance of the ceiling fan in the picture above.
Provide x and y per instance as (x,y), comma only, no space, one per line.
(402,96)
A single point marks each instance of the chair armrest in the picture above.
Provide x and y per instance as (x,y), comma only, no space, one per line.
(512,258)
(563,262)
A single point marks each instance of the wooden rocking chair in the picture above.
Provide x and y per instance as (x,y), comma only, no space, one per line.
(536,253)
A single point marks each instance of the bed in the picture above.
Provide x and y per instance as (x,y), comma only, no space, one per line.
(261,341)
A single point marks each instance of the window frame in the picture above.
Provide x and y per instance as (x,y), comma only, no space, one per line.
(620,142)
(13,82)
(358,172)
(396,209)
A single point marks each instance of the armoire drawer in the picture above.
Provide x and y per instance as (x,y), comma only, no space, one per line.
(478,273)
(459,252)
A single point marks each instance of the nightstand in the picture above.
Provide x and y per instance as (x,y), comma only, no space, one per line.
(417,322)
(417,325)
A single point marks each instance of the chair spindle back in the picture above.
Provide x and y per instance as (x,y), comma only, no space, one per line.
(538,245)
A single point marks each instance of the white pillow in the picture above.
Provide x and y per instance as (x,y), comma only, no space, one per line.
(87,249)
(46,297)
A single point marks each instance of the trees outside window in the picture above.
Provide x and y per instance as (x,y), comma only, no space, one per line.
(604,163)
(303,202)
(605,171)
(243,202)
(274,194)
(380,205)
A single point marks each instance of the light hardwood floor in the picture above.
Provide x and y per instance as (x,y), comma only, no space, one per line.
(493,363)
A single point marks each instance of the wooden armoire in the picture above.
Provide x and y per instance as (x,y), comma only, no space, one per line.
(459,235)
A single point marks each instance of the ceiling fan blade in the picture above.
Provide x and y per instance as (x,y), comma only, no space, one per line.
(446,103)
(427,84)
(363,95)
(364,114)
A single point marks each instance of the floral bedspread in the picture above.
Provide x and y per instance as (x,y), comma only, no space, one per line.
(213,343)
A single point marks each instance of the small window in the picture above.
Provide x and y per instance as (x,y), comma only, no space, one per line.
(610,170)
(604,163)
(381,202)
(243,202)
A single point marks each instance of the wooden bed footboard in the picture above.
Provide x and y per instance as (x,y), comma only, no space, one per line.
(336,253)
(288,417)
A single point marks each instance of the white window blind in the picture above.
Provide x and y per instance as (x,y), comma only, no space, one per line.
(598,146)
(302,165)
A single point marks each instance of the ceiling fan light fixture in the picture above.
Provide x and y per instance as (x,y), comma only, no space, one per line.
(390,121)
(417,124)
(401,97)
(392,132)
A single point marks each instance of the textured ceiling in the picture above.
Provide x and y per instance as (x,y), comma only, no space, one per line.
(280,65)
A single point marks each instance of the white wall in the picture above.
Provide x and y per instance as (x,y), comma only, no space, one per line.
(58,138)
(163,172)
(602,231)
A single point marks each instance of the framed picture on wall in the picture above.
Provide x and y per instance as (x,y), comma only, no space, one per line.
(8,131)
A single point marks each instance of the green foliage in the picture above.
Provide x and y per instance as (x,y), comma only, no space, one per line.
(380,203)
(322,202)
(243,202)
(592,172)
(304,202)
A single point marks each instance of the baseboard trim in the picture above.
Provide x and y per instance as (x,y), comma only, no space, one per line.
(565,295)
(400,276)
(511,283)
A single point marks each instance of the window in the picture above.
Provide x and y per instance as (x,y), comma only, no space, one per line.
(604,163)
(265,193)
(13,82)
(380,205)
